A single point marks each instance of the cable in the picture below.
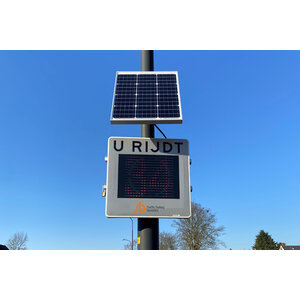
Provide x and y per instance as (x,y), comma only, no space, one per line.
(160,130)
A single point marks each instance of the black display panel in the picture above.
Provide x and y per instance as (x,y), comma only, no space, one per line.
(148,176)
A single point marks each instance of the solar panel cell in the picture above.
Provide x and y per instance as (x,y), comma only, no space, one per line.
(166,79)
(146,90)
(146,78)
(167,90)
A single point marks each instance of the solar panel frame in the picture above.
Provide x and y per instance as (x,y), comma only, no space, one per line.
(148,106)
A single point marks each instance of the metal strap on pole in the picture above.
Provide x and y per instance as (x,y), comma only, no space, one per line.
(148,228)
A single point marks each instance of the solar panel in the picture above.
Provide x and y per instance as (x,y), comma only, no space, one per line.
(146,97)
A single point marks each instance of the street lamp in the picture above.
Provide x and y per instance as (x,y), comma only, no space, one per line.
(131,235)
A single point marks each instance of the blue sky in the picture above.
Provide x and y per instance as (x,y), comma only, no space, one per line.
(240,114)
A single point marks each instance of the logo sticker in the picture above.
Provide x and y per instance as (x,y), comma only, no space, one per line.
(140,208)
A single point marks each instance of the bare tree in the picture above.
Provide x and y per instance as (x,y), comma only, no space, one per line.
(199,231)
(128,245)
(18,241)
(167,241)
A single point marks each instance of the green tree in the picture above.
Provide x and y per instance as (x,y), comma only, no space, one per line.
(264,241)
(199,231)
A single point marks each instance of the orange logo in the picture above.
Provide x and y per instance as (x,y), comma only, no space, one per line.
(139,208)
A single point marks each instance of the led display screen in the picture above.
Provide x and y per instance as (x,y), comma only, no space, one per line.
(148,176)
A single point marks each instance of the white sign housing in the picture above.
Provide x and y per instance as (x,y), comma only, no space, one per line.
(148,177)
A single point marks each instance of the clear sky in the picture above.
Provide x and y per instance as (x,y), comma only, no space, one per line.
(240,114)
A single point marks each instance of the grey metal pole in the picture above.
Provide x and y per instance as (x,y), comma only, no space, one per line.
(131,233)
(148,228)
(147,64)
